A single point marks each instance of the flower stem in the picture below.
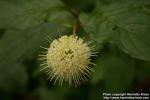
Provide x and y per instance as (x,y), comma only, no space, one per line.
(74,28)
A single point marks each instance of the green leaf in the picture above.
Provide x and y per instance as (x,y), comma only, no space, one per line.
(99,3)
(66,18)
(13,77)
(116,71)
(17,45)
(96,27)
(126,25)
(27,13)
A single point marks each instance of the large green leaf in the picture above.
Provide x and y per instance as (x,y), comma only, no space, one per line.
(24,14)
(17,45)
(126,25)
(116,71)
(99,3)
(61,16)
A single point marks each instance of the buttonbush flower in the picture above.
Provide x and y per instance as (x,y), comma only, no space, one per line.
(67,59)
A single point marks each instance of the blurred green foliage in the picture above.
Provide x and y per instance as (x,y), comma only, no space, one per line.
(120,30)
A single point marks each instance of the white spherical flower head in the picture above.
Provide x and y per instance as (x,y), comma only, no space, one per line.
(68,60)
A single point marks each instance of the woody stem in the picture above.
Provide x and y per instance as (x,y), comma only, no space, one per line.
(74,29)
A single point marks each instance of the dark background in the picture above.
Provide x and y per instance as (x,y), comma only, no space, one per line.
(120,30)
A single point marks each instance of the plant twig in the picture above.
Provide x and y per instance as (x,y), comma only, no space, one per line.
(74,29)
